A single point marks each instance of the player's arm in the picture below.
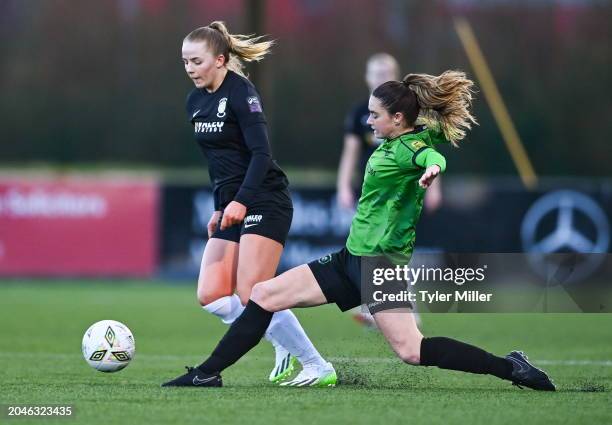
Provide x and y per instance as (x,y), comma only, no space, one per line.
(348,163)
(256,139)
(433,196)
(246,105)
(349,159)
(433,162)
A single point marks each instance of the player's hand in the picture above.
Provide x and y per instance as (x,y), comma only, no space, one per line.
(233,214)
(346,199)
(429,175)
(433,196)
(212,223)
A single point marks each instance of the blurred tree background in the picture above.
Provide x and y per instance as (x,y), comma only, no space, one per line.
(102,81)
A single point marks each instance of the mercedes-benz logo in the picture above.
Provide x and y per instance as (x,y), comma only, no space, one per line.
(579,226)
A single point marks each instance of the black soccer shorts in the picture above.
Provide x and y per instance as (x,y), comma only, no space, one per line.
(345,279)
(269,215)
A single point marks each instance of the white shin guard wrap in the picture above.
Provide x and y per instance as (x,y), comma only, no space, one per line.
(226,308)
(285,330)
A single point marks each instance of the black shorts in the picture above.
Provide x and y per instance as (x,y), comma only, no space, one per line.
(340,276)
(269,215)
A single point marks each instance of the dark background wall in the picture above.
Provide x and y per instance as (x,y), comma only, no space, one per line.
(90,81)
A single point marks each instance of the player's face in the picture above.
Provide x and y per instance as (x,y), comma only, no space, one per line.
(379,72)
(201,65)
(383,123)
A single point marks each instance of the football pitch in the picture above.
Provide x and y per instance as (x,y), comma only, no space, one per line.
(41,364)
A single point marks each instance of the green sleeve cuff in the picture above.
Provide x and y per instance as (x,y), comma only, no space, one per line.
(429,157)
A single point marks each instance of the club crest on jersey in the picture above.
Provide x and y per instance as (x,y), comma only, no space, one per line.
(325,259)
(418,144)
(221,107)
(254,104)
(371,171)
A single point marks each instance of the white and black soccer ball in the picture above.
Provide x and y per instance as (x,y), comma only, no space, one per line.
(108,346)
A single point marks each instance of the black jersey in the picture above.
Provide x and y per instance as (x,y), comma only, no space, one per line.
(356,123)
(230,128)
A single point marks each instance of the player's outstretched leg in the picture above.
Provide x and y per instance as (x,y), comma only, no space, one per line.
(447,353)
(244,334)
(228,308)
(404,337)
(296,287)
(526,374)
(257,262)
(195,378)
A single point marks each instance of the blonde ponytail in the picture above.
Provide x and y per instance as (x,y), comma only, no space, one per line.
(235,47)
(444,101)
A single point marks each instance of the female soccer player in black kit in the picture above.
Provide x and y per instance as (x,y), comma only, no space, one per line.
(252,205)
(383,229)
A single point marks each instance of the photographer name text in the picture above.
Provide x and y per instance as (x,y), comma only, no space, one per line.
(433,296)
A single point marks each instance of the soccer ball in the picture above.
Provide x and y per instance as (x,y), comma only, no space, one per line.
(108,346)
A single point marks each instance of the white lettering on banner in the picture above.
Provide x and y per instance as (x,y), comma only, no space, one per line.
(40,203)
(196,251)
(317,217)
(203,206)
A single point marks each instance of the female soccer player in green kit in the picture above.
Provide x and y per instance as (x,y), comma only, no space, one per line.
(397,174)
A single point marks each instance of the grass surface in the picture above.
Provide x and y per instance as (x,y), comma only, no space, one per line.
(41,363)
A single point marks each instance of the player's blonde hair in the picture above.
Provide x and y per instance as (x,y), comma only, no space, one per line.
(442,101)
(236,48)
(445,99)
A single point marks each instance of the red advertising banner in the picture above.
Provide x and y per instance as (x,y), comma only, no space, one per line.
(78,226)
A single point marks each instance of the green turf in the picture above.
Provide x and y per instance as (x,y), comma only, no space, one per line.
(43,323)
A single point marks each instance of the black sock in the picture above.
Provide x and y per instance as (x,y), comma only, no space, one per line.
(244,334)
(447,353)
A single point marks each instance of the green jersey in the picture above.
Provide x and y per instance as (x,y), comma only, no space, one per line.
(391,199)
